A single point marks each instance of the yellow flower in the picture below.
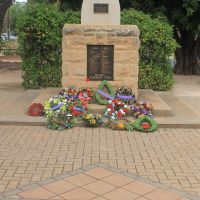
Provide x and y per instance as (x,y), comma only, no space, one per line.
(120,126)
(94,121)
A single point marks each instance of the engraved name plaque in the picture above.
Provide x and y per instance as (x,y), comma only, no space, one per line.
(100,60)
(101,8)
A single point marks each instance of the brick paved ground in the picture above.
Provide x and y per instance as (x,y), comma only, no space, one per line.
(97,183)
(31,154)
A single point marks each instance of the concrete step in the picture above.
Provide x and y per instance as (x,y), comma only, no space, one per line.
(160,107)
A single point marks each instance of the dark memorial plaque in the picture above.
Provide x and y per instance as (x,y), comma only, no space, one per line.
(100,60)
(101,8)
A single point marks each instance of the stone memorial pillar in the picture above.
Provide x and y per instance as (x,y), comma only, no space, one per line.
(100,49)
(100,12)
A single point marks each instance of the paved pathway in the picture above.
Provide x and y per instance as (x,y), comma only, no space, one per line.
(31,154)
(97,183)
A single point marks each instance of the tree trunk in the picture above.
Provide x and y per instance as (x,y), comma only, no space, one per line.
(3,9)
(188,55)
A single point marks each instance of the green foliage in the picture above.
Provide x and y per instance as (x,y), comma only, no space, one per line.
(15,11)
(184,14)
(156,77)
(40,35)
(157,45)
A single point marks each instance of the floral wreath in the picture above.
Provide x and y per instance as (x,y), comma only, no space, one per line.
(36,109)
(126,95)
(70,93)
(145,124)
(87,94)
(60,120)
(141,109)
(62,113)
(103,97)
(116,109)
(78,108)
(93,120)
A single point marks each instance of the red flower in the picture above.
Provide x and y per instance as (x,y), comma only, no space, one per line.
(119,114)
(87,80)
(125,110)
(109,106)
(114,101)
(145,125)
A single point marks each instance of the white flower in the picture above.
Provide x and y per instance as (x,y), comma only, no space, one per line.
(113,117)
(110,101)
(108,109)
(125,106)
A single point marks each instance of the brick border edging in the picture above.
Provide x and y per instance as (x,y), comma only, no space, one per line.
(10,193)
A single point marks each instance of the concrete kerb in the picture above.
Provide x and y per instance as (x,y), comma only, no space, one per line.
(160,125)
(10,193)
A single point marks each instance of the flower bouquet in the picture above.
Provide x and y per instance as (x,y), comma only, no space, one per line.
(116,109)
(93,120)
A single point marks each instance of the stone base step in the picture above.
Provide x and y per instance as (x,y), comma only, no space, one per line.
(160,107)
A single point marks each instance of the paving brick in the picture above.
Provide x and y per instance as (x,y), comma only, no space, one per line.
(33,154)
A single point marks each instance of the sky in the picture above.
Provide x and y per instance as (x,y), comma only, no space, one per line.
(21,0)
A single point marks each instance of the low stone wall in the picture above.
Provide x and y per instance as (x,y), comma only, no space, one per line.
(126,43)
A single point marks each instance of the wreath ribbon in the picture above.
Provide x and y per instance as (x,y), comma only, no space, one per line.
(125,97)
(61,104)
(57,106)
(79,109)
(104,94)
(69,97)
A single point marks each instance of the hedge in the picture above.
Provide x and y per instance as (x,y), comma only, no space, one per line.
(157,45)
(40,36)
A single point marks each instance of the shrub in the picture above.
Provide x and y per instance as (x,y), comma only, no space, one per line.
(156,77)
(157,45)
(40,36)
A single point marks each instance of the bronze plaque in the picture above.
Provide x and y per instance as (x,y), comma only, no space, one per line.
(100,60)
(101,8)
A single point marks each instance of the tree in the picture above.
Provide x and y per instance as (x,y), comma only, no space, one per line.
(185,16)
(4,5)
(15,11)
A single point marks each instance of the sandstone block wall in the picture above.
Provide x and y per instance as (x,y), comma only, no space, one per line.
(126,43)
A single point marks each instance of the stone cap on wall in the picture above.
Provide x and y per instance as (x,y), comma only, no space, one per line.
(118,30)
